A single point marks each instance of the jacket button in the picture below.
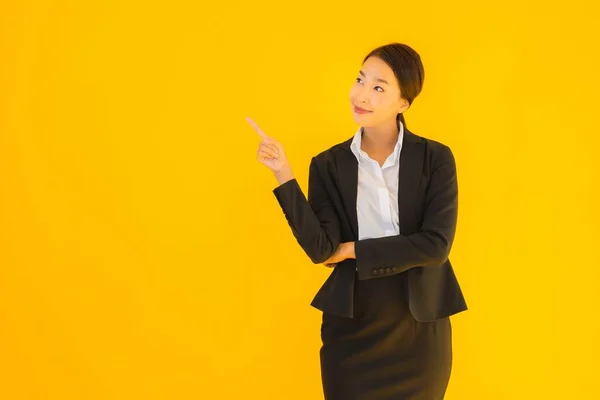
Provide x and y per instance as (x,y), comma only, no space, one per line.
(381,271)
(394,269)
(374,272)
(388,270)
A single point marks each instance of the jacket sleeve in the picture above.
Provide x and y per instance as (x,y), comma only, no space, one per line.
(428,247)
(313,222)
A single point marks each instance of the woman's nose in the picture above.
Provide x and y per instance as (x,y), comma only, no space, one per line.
(361,98)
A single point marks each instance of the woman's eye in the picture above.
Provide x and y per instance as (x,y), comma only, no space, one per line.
(376,87)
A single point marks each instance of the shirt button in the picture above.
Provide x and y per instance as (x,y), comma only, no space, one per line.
(388,270)
(381,271)
(394,269)
(374,272)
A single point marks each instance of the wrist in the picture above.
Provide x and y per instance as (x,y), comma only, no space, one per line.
(350,250)
(283,175)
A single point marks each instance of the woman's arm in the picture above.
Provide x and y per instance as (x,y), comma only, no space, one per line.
(313,221)
(428,247)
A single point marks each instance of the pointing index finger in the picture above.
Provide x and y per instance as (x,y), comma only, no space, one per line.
(257,128)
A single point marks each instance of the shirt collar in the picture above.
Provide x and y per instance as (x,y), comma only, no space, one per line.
(357,140)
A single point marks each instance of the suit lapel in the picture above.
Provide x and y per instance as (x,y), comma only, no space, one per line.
(347,170)
(411,162)
(409,176)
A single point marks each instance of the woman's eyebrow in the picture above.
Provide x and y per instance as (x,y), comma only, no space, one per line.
(377,79)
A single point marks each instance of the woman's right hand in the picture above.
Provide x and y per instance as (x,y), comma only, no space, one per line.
(270,152)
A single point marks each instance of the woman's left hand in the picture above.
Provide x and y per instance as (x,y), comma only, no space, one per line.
(345,250)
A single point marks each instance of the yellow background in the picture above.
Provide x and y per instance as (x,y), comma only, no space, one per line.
(143,255)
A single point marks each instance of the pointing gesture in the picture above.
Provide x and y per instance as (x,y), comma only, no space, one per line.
(270,152)
(261,133)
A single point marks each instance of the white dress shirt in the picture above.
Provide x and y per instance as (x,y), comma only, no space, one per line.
(377,192)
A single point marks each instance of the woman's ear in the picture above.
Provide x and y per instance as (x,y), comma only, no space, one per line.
(404,105)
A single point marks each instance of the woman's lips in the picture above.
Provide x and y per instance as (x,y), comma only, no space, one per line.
(359,110)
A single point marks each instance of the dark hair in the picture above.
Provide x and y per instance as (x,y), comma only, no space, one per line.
(407,66)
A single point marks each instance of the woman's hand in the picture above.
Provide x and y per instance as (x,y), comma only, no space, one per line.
(345,250)
(270,152)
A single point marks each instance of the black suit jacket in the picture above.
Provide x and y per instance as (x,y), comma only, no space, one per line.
(428,209)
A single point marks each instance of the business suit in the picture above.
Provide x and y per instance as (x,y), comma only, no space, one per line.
(412,269)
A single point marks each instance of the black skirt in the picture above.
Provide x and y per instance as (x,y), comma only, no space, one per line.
(383,353)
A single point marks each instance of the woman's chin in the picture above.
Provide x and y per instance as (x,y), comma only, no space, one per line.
(360,119)
(364,122)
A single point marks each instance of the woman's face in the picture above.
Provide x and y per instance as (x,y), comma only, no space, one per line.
(377,91)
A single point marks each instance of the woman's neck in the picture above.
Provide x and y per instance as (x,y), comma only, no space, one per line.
(380,137)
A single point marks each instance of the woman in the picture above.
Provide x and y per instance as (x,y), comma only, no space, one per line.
(381,210)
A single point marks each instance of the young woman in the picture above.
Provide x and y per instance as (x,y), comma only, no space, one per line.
(381,211)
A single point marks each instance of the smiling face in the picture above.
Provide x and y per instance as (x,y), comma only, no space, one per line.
(377,91)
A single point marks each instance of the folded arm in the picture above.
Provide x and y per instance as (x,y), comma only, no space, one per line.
(428,247)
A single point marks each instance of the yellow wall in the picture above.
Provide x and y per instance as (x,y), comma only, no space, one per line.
(143,255)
